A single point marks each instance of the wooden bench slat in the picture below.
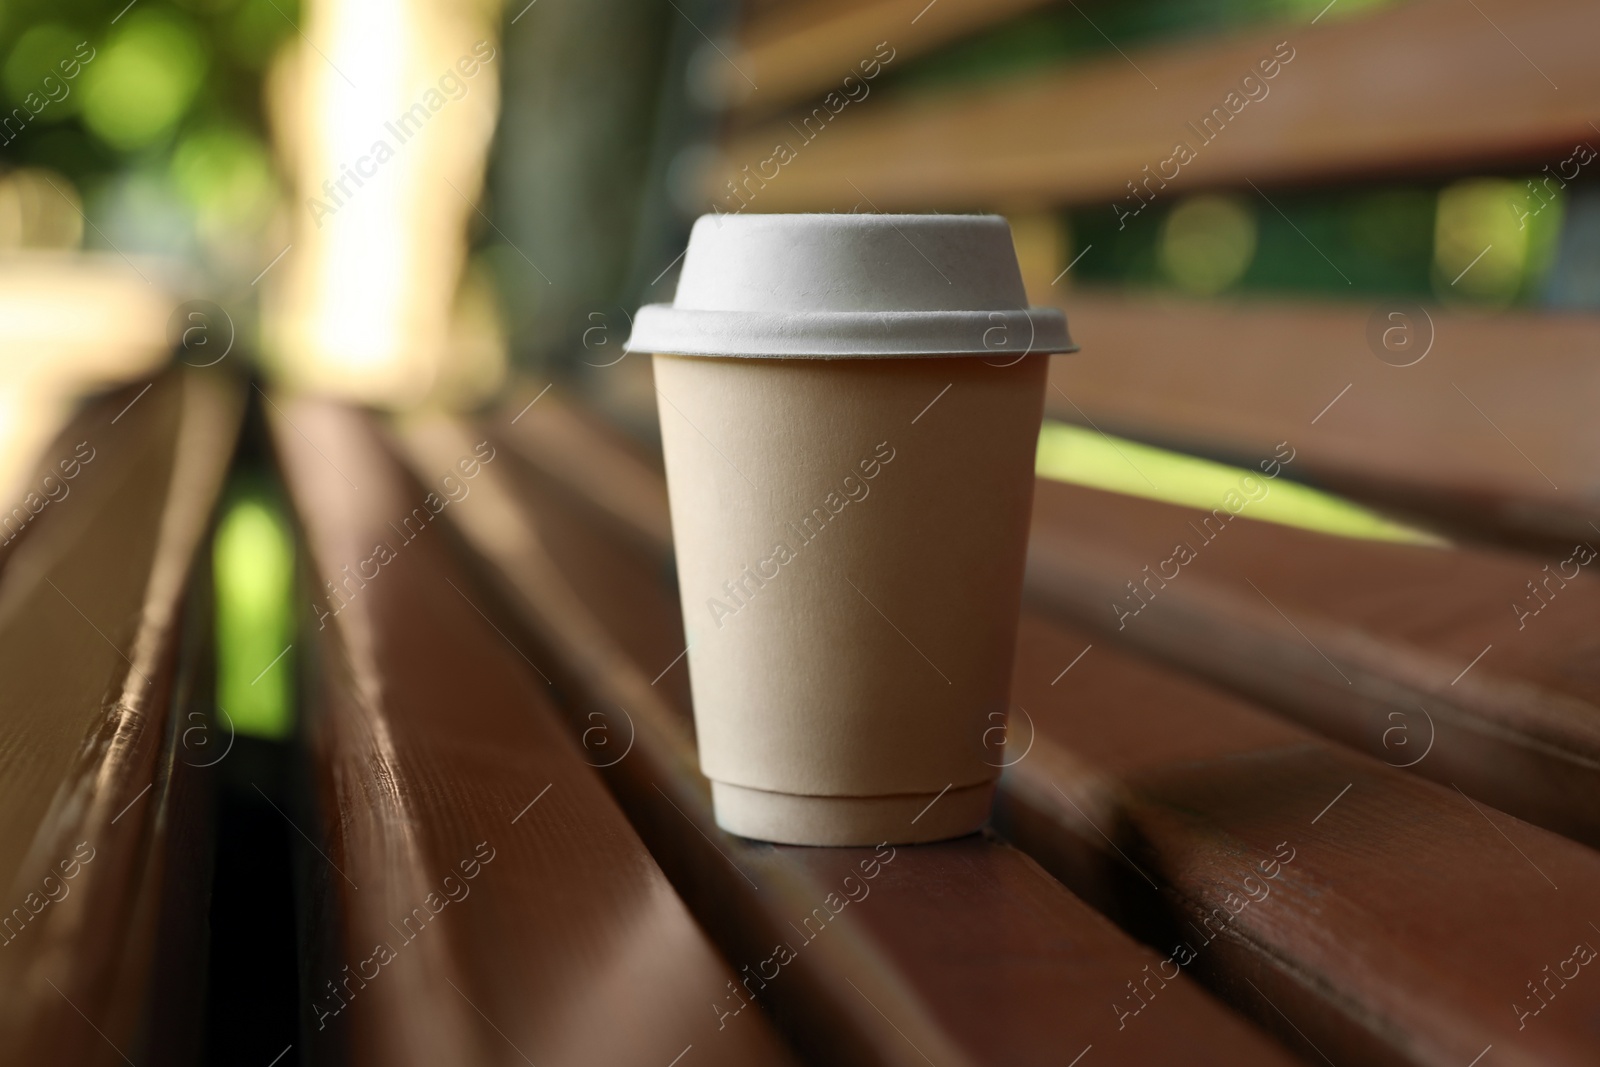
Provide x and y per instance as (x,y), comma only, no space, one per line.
(1378,951)
(792,51)
(1382,646)
(104,848)
(1428,86)
(1518,730)
(436,754)
(962,952)
(37,452)
(603,471)
(1471,434)
(1371,942)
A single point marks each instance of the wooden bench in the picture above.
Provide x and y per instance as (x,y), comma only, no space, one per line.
(1411,88)
(960,952)
(464,857)
(790,51)
(106,842)
(1291,798)
(1155,797)
(1411,654)
(1469,437)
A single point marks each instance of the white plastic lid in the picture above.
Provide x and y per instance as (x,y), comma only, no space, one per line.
(842,286)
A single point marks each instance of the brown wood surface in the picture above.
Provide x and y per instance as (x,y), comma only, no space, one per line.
(1475,434)
(1426,86)
(602,470)
(1374,644)
(54,459)
(434,747)
(104,836)
(1403,930)
(1519,729)
(792,51)
(962,952)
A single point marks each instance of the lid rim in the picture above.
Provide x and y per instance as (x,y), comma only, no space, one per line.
(670,330)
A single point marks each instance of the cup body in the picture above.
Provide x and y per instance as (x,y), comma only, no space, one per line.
(850,538)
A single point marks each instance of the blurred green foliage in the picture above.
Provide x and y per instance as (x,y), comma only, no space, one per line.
(1346,242)
(154,105)
(143,81)
(253,574)
(1380,239)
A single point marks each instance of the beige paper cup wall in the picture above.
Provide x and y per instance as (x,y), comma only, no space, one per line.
(850,529)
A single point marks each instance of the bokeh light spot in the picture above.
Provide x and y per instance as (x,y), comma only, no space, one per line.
(1207,243)
(226,174)
(34,68)
(142,81)
(1482,248)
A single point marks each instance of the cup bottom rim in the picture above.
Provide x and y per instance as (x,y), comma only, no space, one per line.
(805,819)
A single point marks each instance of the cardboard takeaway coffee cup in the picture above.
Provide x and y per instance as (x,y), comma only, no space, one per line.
(849,411)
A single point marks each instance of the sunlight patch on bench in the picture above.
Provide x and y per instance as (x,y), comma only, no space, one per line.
(1086,457)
